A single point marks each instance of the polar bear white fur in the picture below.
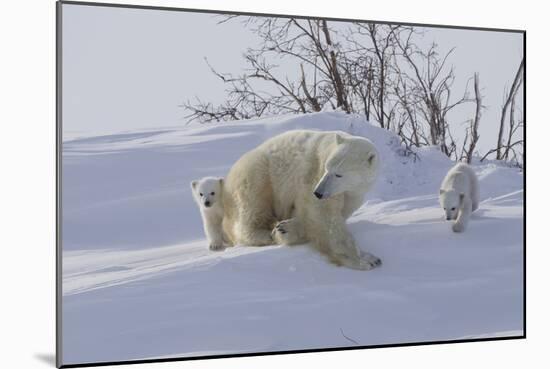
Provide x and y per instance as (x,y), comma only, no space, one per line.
(207,193)
(459,195)
(301,186)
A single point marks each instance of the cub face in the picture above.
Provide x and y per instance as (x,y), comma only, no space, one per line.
(207,191)
(450,201)
(352,167)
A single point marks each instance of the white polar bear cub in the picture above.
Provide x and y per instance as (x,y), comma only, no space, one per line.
(459,195)
(207,192)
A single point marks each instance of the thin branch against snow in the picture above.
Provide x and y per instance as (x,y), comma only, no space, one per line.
(509,97)
(472,133)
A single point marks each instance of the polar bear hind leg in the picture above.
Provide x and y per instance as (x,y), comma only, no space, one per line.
(254,227)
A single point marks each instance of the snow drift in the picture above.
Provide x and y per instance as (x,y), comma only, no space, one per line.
(139,280)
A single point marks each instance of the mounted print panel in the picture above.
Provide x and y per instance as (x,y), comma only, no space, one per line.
(240,184)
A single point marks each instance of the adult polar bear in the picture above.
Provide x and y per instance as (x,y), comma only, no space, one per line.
(301,186)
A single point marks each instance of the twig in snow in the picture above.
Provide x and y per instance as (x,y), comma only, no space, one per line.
(346,337)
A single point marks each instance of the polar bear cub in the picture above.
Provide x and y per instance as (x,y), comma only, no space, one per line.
(459,195)
(207,193)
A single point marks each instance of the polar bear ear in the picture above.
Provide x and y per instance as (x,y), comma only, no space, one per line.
(221,181)
(441,191)
(370,158)
(339,139)
(194,184)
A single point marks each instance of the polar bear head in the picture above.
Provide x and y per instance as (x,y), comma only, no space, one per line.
(351,166)
(450,201)
(207,191)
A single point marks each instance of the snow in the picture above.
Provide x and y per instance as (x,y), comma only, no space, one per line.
(139,281)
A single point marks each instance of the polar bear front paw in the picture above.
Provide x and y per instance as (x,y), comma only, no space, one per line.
(458,227)
(364,261)
(285,233)
(368,261)
(216,247)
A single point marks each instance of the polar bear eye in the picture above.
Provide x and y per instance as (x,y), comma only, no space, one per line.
(338,175)
(453,209)
(212,193)
(200,193)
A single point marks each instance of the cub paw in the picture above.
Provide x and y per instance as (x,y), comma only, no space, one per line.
(458,227)
(216,247)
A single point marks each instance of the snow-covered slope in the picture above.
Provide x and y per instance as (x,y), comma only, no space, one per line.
(140,282)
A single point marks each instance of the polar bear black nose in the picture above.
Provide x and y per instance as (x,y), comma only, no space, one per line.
(448,218)
(318,195)
(207,203)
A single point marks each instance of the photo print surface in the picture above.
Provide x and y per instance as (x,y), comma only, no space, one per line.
(239,184)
